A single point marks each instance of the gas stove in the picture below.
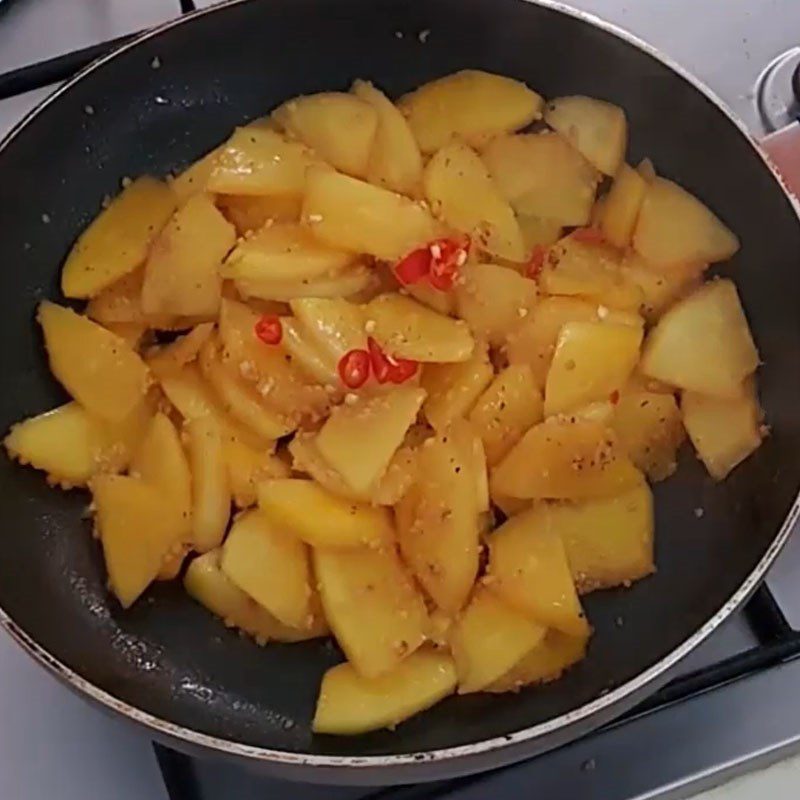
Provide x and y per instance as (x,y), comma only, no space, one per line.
(735,703)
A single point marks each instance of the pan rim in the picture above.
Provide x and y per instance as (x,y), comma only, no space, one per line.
(620,698)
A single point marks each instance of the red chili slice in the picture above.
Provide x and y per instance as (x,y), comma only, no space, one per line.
(536,262)
(402,370)
(614,397)
(443,275)
(269,329)
(389,369)
(588,236)
(448,256)
(380,363)
(414,267)
(354,368)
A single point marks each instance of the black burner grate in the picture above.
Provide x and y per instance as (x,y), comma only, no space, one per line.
(54,70)
(778,642)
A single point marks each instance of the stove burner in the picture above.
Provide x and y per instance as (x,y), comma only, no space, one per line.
(778,91)
(796,83)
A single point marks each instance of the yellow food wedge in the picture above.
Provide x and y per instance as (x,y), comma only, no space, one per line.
(565,458)
(136,530)
(546,662)
(372,605)
(528,569)
(407,329)
(322,519)
(608,542)
(271,566)
(359,440)
(109,383)
(118,239)
(471,105)
(488,639)
(350,704)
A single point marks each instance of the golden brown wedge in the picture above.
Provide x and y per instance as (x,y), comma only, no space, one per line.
(596,129)
(546,662)
(608,542)
(112,382)
(493,299)
(621,207)
(703,343)
(335,325)
(674,228)
(339,127)
(659,288)
(71,445)
(542,176)
(350,704)
(118,239)
(488,639)
(533,342)
(161,462)
(271,566)
(453,389)
(239,399)
(359,440)
(509,406)
(374,610)
(349,282)
(565,458)
(321,518)
(283,252)
(460,191)
(64,443)
(248,213)
(650,429)
(591,361)
(259,161)
(528,568)
(208,584)
(437,520)
(578,268)
(471,105)
(406,329)
(182,272)
(394,161)
(211,491)
(249,465)
(355,215)
(724,431)
(136,530)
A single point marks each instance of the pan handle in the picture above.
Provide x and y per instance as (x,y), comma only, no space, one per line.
(783,150)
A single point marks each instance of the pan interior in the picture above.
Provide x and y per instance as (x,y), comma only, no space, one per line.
(168,656)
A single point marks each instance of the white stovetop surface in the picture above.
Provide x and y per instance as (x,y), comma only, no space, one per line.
(54,745)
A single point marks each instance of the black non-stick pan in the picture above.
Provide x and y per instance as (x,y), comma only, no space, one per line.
(173,94)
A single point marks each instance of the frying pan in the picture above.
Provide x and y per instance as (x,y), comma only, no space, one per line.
(169,665)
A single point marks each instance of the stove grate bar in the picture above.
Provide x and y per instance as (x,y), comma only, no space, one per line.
(60,68)
(766,618)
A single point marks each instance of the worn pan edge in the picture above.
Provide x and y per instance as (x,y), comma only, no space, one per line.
(430,765)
